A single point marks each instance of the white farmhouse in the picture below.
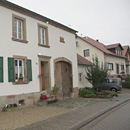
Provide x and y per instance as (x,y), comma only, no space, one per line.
(35,54)
(110,56)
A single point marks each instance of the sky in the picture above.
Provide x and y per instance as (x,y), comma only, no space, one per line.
(105,20)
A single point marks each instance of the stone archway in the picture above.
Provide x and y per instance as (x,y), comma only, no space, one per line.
(63,76)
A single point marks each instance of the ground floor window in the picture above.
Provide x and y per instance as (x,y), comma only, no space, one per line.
(19,69)
(80,77)
(122,67)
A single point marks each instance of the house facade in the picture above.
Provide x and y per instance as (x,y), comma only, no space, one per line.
(83,65)
(89,49)
(126,53)
(36,53)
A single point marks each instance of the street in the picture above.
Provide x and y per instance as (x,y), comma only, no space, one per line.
(116,119)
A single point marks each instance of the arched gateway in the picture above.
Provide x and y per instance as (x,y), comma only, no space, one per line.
(63,76)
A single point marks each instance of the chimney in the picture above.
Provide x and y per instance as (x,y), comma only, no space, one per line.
(97,40)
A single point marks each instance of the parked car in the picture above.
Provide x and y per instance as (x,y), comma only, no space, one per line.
(113,84)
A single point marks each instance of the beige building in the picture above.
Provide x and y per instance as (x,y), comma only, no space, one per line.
(110,56)
(35,54)
(126,53)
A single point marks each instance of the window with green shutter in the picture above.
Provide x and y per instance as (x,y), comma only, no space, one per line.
(1,69)
(19,69)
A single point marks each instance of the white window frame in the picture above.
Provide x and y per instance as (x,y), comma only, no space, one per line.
(116,51)
(19,30)
(23,75)
(42,32)
(80,77)
(110,66)
(122,67)
(88,53)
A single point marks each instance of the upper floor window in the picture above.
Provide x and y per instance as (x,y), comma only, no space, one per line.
(43,36)
(110,66)
(19,29)
(86,53)
(116,52)
(77,43)
(119,52)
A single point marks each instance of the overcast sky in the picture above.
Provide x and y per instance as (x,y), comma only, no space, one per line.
(106,20)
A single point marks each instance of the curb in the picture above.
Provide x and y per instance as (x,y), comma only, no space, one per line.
(87,121)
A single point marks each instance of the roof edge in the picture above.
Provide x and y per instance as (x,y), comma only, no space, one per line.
(35,15)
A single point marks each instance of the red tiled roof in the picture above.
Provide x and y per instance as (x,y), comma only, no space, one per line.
(114,46)
(99,46)
(83,61)
(125,50)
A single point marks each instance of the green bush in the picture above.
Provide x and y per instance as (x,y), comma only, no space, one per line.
(126,84)
(86,92)
(106,94)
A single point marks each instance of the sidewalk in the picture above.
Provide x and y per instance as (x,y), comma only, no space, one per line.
(76,118)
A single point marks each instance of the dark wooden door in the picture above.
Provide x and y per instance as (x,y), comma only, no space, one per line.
(42,76)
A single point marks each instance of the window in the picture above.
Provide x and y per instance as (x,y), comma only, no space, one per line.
(110,66)
(80,77)
(122,67)
(43,36)
(116,52)
(120,53)
(86,53)
(112,81)
(19,69)
(77,43)
(19,29)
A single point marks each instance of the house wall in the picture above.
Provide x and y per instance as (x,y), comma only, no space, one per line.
(84,82)
(9,48)
(82,45)
(115,60)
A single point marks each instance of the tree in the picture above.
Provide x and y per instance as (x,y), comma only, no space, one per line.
(96,74)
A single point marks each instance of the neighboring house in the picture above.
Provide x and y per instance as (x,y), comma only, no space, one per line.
(126,53)
(83,64)
(35,54)
(89,48)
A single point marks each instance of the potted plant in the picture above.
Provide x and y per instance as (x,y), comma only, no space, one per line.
(55,91)
(20,79)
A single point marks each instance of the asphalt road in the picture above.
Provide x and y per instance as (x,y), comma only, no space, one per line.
(116,119)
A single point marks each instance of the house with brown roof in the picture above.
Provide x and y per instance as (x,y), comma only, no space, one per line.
(126,53)
(36,53)
(83,64)
(110,56)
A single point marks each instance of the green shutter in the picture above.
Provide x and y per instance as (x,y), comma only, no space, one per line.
(11,77)
(29,70)
(1,69)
